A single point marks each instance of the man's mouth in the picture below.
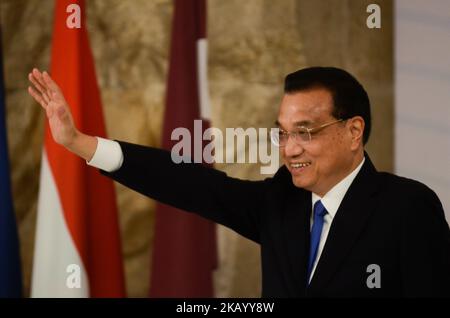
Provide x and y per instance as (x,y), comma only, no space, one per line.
(298,165)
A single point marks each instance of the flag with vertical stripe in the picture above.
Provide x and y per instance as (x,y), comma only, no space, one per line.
(184,254)
(77,249)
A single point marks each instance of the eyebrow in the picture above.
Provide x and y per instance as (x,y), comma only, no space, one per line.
(303,123)
(297,124)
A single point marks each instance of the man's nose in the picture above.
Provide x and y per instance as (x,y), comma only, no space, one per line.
(292,148)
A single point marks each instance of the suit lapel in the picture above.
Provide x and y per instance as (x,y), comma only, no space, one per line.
(348,223)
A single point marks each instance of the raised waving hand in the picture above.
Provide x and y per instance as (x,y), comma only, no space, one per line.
(47,93)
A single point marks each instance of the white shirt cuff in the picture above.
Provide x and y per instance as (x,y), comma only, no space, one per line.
(108,156)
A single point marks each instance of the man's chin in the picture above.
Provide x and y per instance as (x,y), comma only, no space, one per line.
(300,183)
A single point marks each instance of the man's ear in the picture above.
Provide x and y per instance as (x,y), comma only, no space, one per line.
(356,125)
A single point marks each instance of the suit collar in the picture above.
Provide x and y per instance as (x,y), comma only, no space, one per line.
(333,198)
(349,221)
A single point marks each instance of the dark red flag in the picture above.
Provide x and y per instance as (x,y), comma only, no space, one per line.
(184,254)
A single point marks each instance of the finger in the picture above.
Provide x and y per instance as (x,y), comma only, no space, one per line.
(50,82)
(57,97)
(38,76)
(56,93)
(39,87)
(37,97)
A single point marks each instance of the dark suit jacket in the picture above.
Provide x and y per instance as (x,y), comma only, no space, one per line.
(393,222)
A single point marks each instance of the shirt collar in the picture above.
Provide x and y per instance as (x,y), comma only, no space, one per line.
(333,198)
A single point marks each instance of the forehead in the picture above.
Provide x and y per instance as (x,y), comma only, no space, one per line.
(305,108)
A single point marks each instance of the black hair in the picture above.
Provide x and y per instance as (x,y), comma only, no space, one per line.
(349,96)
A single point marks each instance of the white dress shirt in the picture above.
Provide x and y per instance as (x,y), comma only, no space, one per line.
(109,157)
(331,201)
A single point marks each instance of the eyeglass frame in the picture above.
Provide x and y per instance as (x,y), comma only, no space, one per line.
(309,131)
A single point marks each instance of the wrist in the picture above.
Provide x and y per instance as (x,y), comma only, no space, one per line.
(72,143)
(83,145)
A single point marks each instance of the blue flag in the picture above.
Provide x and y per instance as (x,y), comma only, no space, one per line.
(10,271)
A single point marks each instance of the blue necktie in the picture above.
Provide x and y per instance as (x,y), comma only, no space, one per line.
(316,232)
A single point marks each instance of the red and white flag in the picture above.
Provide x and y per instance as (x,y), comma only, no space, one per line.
(77,249)
(184,254)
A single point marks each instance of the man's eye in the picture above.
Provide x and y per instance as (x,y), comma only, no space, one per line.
(301,133)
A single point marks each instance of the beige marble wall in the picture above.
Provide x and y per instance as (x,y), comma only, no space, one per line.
(252,45)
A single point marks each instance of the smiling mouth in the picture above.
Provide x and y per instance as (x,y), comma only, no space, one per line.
(299,165)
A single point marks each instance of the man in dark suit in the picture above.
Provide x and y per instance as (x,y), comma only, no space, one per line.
(328,223)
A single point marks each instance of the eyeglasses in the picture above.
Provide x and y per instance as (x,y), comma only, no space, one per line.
(302,136)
